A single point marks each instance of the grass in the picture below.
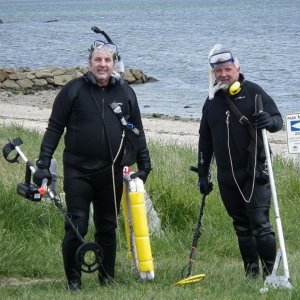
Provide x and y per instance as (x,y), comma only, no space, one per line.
(31,264)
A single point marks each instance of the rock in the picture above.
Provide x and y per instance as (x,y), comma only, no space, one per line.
(30,76)
(25,83)
(3,75)
(13,76)
(51,21)
(40,82)
(49,77)
(151,79)
(1,21)
(21,75)
(50,80)
(137,73)
(58,72)
(83,70)
(77,74)
(139,81)
(43,74)
(62,79)
(8,70)
(128,76)
(10,84)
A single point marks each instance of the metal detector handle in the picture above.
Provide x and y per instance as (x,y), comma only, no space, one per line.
(259,102)
(43,188)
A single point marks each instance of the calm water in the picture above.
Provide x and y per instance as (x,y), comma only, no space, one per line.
(168,40)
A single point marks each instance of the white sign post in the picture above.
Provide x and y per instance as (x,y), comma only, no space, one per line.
(293,134)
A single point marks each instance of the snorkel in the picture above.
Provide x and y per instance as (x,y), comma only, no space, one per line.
(213,87)
(117,74)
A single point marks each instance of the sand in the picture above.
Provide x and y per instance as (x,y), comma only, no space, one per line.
(32,111)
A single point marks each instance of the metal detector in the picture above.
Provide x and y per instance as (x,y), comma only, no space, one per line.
(189,278)
(89,256)
(274,280)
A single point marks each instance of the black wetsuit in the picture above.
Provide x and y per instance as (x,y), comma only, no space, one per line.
(250,218)
(92,141)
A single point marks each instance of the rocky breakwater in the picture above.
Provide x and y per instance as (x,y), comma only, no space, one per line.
(51,77)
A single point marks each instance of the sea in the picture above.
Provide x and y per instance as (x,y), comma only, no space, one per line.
(167,39)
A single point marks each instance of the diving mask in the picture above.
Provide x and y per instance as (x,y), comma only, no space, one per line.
(221,58)
(99,45)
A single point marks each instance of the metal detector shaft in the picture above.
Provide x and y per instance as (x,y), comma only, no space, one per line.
(196,237)
(274,195)
(196,278)
(31,167)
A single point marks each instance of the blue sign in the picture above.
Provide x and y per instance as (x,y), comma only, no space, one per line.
(295,125)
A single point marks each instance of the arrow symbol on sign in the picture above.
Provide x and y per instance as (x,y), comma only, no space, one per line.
(295,125)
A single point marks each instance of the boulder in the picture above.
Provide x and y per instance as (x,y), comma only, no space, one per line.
(25,83)
(13,76)
(3,75)
(8,83)
(21,75)
(58,72)
(40,82)
(30,76)
(138,74)
(43,74)
(62,79)
(129,77)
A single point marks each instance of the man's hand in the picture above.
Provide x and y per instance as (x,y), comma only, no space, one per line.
(41,172)
(262,120)
(142,174)
(205,185)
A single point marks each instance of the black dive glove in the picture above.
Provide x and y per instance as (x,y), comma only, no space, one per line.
(262,120)
(142,174)
(42,172)
(205,185)
(144,168)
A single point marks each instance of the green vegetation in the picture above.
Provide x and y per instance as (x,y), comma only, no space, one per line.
(31,233)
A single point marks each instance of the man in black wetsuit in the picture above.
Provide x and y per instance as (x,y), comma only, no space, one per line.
(246,200)
(94,155)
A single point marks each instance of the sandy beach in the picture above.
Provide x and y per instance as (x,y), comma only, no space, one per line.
(32,111)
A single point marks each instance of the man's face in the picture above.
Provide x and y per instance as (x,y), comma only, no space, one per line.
(226,73)
(102,66)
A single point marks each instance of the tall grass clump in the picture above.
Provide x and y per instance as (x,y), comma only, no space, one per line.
(31,265)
